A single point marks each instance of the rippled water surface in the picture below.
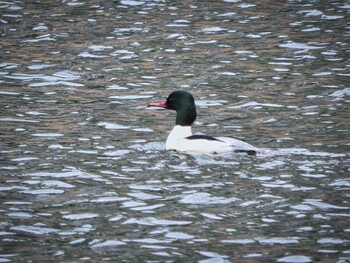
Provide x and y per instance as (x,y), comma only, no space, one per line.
(84,174)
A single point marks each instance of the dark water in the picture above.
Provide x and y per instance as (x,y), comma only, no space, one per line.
(84,174)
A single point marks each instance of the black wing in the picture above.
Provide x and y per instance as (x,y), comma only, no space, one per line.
(209,138)
(204,137)
(249,152)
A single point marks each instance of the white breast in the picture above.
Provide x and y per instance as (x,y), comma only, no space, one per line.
(177,141)
(176,136)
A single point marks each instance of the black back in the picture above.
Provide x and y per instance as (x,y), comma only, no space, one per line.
(200,136)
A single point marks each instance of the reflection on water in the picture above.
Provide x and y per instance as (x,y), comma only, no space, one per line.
(83,169)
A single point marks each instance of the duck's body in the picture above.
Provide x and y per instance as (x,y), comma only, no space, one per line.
(181,137)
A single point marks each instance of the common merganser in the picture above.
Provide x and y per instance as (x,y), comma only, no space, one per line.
(181,137)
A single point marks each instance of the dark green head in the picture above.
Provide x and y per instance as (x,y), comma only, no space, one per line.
(183,103)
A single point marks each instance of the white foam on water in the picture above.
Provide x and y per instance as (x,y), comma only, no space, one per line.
(152,221)
(238,241)
(63,174)
(112,126)
(178,236)
(334,241)
(295,45)
(144,196)
(131,2)
(108,243)
(49,183)
(131,97)
(278,240)
(295,259)
(36,230)
(109,199)
(47,134)
(202,198)
(43,191)
(80,216)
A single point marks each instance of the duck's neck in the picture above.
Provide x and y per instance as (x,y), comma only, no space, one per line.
(177,133)
(186,116)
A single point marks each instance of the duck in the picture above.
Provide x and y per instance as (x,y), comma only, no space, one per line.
(182,139)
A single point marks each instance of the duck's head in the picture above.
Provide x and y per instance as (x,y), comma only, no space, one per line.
(183,103)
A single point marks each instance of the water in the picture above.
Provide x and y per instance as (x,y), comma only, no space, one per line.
(84,174)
